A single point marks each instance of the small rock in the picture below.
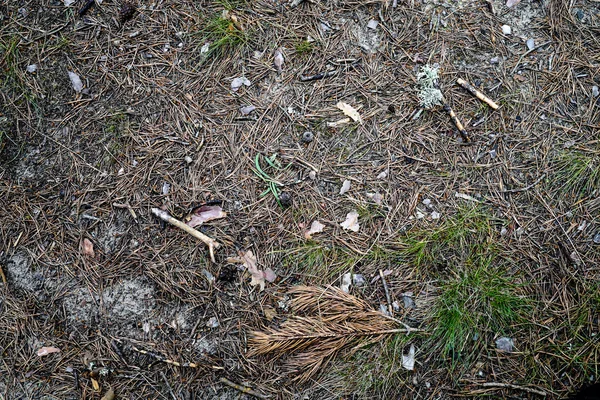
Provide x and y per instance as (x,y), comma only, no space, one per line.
(358,279)
(505,344)
(408,301)
(426,202)
(435,215)
(396,306)
(530,44)
(495,60)
(383,175)
(212,322)
(209,277)
(247,110)
(372,24)
(384,310)
(308,137)
(507,30)
(493,153)
(503,232)
(33,67)
(597,238)
(75,81)
(188,159)
(312,175)
(595,91)
(23,11)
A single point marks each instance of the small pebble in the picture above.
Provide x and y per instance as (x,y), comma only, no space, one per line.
(312,175)
(188,159)
(372,24)
(495,60)
(530,44)
(595,91)
(212,322)
(505,344)
(33,67)
(426,202)
(597,238)
(247,110)
(507,30)
(435,215)
(308,137)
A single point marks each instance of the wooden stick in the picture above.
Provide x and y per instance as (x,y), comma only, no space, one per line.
(457,123)
(477,93)
(242,389)
(387,293)
(210,242)
(511,386)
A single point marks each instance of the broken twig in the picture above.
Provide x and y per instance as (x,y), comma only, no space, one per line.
(321,75)
(457,123)
(210,242)
(477,93)
(387,293)
(243,389)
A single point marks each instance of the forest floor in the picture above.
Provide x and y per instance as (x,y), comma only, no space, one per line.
(480,244)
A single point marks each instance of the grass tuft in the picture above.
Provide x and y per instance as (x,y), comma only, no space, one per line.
(578,173)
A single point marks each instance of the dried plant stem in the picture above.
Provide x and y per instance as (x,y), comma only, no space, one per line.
(511,386)
(457,123)
(471,89)
(242,389)
(210,242)
(387,293)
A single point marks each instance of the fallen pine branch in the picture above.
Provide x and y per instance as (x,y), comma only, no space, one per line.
(328,321)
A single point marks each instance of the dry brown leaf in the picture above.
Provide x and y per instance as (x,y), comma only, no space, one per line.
(278,61)
(204,214)
(87,248)
(345,187)
(47,350)
(95,385)
(349,111)
(351,222)
(249,261)
(109,395)
(315,227)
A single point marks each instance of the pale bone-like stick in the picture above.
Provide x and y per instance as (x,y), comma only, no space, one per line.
(477,93)
(210,242)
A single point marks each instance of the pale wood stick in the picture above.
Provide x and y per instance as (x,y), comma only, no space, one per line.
(387,293)
(457,123)
(210,242)
(511,386)
(471,89)
(243,389)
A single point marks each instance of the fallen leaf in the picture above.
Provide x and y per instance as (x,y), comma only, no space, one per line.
(376,197)
(408,361)
(345,187)
(75,81)
(87,248)
(95,385)
(236,83)
(247,110)
(351,222)
(270,313)
(349,111)
(335,124)
(346,282)
(315,227)
(278,61)
(109,395)
(249,261)
(204,214)
(511,3)
(47,350)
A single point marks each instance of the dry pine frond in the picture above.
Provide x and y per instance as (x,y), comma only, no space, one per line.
(327,322)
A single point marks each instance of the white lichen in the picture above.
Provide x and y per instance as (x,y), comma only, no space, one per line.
(429,95)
